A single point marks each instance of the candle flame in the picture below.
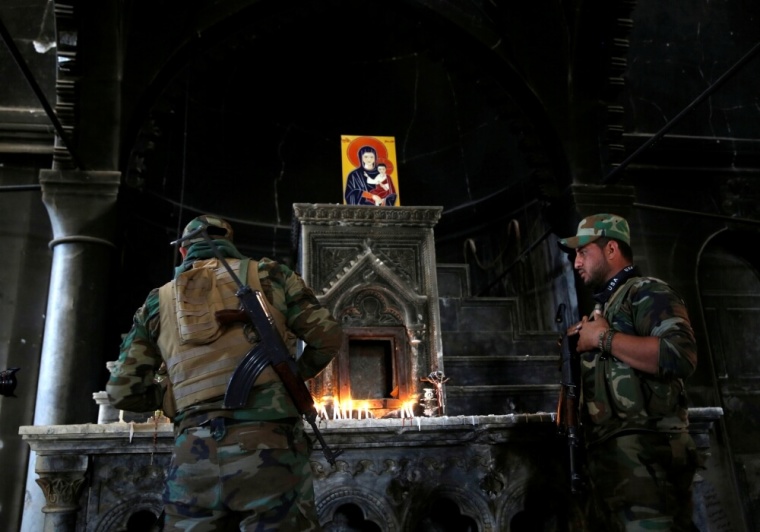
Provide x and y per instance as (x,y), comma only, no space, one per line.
(407,409)
(344,409)
(321,408)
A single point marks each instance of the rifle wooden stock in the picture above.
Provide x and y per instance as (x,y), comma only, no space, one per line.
(298,391)
(229,316)
(568,406)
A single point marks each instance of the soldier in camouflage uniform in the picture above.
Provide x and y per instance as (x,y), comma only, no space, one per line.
(245,468)
(636,350)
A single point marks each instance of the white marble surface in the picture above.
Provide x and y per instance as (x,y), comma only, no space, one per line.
(94,438)
(148,428)
(95,430)
(437,423)
(357,433)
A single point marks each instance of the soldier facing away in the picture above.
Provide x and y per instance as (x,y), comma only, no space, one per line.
(232,468)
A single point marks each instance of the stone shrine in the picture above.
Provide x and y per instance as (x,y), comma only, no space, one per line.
(406,465)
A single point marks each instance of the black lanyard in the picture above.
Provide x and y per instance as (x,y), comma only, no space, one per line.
(613,284)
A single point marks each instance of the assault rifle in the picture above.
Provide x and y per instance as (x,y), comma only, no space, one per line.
(270,350)
(568,406)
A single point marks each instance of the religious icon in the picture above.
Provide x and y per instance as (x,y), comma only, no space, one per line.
(368,171)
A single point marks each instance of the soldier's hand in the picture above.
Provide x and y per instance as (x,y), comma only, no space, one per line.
(590,330)
(574,329)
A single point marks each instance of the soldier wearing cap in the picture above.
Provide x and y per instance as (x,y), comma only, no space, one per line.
(245,468)
(635,351)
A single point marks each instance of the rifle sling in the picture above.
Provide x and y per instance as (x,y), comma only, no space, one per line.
(257,359)
(255,284)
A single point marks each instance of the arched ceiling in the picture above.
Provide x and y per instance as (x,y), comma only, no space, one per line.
(247,119)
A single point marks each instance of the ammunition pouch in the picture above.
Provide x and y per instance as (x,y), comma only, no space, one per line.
(620,391)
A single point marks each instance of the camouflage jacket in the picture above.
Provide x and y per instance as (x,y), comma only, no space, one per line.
(134,386)
(618,398)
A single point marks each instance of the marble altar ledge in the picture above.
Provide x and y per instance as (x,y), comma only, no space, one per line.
(434,423)
(133,437)
(109,438)
(121,437)
(435,431)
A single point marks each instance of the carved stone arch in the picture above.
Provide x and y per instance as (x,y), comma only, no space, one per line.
(511,503)
(370,272)
(116,519)
(374,508)
(372,306)
(550,502)
(377,314)
(470,504)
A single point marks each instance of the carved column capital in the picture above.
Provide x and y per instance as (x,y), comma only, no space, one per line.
(80,205)
(61,492)
(82,210)
(61,478)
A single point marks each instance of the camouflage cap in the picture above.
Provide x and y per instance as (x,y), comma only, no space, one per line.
(215,227)
(596,226)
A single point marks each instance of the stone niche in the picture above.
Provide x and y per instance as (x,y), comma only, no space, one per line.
(374,268)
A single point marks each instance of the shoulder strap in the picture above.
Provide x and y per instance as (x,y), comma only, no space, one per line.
(255,283)
(243,273)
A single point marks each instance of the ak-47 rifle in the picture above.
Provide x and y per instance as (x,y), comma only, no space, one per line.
(568,406)
(270,350)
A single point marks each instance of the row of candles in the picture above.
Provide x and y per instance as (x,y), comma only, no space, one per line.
(350,409)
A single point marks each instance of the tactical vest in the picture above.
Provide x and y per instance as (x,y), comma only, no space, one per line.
(200,354)
(631,396)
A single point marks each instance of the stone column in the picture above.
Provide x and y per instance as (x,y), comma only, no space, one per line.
(61,478)
(81,206)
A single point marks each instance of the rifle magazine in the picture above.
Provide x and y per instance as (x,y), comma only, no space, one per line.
(245,375)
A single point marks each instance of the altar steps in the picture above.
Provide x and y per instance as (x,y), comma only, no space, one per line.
(492,365)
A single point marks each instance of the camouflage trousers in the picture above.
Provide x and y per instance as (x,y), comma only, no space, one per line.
(254,476)
(643,482)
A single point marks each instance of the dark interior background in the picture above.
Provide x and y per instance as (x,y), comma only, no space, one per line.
(502,112)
